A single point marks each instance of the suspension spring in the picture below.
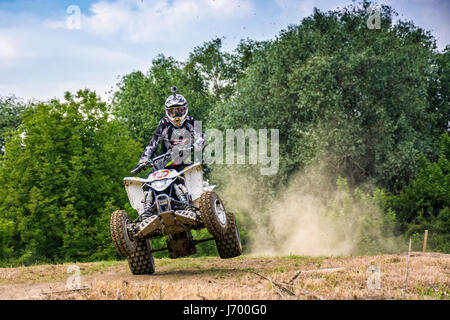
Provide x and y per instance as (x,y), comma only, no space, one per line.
(148,200)
(180,194)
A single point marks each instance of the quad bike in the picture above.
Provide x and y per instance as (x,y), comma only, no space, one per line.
(171,203)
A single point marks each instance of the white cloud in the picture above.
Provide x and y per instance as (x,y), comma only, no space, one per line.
(227,8)
(39,62)
(11,49)
(157,20)
(108,17)
(43,58)
(8,49)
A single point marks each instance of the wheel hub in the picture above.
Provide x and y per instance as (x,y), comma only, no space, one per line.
(129,230)
(220,212)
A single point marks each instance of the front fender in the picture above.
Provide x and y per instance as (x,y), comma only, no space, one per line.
(133,185)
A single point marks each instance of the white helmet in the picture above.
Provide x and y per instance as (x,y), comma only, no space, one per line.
(176,108)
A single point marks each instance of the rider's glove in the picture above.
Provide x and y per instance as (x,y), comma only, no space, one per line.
(141,166)
(137,169)
(199,144)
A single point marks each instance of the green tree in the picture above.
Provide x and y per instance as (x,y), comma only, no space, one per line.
(439,91)
(11,109)
(425,203)
(61,177)
(358,99)
(221,70)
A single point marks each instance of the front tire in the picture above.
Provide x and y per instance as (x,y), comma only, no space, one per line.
(141,261)
(124,243)
(213,214)
(229,245)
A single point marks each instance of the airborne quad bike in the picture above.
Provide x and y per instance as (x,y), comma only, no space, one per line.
(171,203)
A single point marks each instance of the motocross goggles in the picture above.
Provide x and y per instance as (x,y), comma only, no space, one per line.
(176,112)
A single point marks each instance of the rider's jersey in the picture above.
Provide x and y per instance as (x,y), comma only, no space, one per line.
(170,136)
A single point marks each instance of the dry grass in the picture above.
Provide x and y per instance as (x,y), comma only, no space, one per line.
(293,277)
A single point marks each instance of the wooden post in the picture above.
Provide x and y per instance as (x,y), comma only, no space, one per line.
(425,241)
(407,270)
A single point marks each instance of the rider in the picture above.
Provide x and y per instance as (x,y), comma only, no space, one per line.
(170,130)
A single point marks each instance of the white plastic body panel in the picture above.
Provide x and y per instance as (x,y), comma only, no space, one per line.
(193,178)
(135,192)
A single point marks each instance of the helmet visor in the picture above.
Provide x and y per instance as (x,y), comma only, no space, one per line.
(176,112)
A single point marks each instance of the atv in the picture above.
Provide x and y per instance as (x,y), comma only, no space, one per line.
(171,202)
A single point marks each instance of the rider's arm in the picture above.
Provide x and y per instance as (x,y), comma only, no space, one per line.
(153,145)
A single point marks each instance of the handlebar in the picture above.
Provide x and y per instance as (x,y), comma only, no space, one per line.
(144,165)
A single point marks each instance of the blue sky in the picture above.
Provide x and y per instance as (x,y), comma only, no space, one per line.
(41,57)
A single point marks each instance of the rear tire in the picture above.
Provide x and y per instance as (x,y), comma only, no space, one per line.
(213,214)
(124,244)
(229,245)
(141,261)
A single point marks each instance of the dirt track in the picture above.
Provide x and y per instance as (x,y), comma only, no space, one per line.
(240,278)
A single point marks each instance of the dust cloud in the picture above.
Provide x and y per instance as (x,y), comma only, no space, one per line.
(313,215)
